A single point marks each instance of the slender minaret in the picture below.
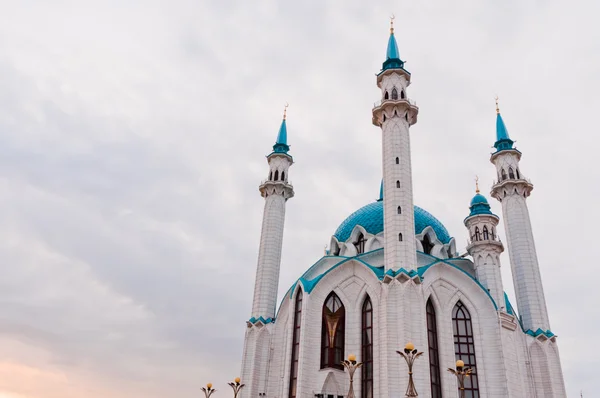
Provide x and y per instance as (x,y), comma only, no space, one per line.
(395,114)
(484,246)
(512,190)
(276,190)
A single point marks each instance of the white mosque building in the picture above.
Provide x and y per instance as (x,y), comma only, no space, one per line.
(392,275)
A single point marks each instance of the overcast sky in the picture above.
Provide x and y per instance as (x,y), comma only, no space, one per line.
(133,137)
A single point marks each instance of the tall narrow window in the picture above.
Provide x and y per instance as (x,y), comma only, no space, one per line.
(394,94)
(518,174)
(296,345)
(386,96)
(271,175)
(486,234)
(427,245)
(477,234)
(276,175)
(283,176)
(434,356)
(360,244)
(464,346)
(402,95)
(367,349)
(503,175)
(399,210)
(397,160)
(400,237)
(398,184)
(511,173)
(332,333)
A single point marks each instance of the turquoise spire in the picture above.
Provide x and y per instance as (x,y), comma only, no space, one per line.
(479,204)
(281,145)
(503,141)
(392,60)
(381,192)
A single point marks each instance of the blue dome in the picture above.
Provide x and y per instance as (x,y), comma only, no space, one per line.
(370,217)
(479,199)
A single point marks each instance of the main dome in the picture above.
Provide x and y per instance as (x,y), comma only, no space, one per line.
(370,217)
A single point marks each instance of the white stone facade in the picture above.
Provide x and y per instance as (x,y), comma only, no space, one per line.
(287,354)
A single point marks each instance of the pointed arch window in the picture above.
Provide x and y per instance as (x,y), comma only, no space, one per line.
(332,333)
(477,234)
(427,245)
(283,176)
(486,234)
(503,175)
(394,94)
(360,243)
(464,346)
(511,173)
(271,175)
(293,393)
(518,174)
(367,349)
(276,175)
(402,95)
(386,96)
(434,355)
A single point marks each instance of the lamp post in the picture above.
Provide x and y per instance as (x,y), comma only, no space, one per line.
(461,372)
(351,365)
(410,354)
(208,390)
(237,387)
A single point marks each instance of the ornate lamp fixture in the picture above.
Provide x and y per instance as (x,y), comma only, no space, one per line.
(236,386)
(461,372)
(410,354)
(351,365)
(208,390)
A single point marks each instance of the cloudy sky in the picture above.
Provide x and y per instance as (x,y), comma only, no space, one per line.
(133,137)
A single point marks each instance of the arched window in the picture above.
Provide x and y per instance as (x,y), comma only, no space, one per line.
(400,237)
(394,94)
(406,116)
(518,175)
(493,234)
(271,175)
(397,160)
(398,184)
(486,234)
(511,173)
(332,333)
(384,118)
(386,96)
(402,95)
(360,244)
(427,245)
(296,345)
(434,356)
(367,349)
(276,175)
(283,176)
(503,175)
(464,346)
(399,210)
(477,234)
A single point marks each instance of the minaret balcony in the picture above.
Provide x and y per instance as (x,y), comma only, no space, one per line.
(522,186)
(485,244)
(401,106)
(272,187)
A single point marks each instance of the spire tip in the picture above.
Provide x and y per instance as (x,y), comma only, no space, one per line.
(497,107)
(392,17)
(476,184)
(285,110)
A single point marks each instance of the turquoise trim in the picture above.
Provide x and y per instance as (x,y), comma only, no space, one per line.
(538,332)
(254,320)
(370,217)
(281,145)
(503,140)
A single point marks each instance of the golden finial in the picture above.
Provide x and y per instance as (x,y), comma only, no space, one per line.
(392,23)
(285,110)
(476,184)
(497,108)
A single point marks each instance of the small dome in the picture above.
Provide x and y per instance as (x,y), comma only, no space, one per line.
(370,217)
(479,199)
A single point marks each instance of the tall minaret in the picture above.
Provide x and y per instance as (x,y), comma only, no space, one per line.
(512,190)
(484,246)
(395,114)
(276,190)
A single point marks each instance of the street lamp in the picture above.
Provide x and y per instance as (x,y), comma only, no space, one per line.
(461,372)
(351,365)
(410,354)
(208,390)
(237,387)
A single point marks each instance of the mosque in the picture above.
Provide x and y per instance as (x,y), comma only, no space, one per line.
(392,275)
